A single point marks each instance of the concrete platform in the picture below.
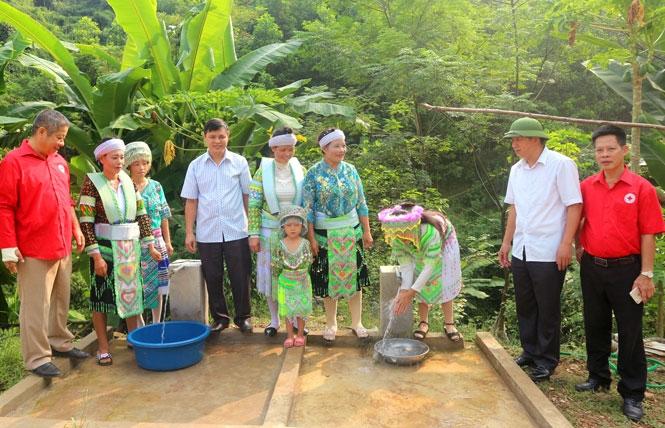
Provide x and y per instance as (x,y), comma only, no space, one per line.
(251,380)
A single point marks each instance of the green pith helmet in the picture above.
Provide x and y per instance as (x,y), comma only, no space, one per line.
(526,127)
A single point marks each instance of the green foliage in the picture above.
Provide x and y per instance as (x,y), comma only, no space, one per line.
(11,363)
(85,31)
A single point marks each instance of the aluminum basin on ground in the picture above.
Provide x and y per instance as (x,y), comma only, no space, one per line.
(403,352)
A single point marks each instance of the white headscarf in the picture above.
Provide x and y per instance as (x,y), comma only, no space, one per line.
(283,140)
(109,146)
(337,134)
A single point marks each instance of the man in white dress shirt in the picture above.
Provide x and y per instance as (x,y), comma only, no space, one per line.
(216,190)
(545,205)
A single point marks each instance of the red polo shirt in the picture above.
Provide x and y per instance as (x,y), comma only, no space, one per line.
(35,204)
(615,218)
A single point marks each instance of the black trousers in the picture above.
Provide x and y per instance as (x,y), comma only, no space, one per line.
(538,288)
(606,290)
(236,256)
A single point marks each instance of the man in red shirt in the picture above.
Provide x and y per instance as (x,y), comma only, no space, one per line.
(621,216)
(37,222)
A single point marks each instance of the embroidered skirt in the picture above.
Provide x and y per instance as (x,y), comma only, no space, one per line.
(294,294)
(121,290)
(320,272)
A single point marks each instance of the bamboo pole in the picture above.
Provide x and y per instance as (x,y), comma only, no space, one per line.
(543,116)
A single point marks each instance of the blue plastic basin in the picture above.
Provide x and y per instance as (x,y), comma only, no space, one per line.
(184,342)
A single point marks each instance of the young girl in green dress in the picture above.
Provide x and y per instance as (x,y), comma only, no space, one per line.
(291,260)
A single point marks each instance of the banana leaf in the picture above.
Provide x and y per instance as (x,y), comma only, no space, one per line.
(9,52)
(41,36)
(206,45)
(244,70)
(618,77)
(58,74)
(114,92)
(139,20)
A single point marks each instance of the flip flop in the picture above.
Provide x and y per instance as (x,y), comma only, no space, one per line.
(104,359)
(420,334)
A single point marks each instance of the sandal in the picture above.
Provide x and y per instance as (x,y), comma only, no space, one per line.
(360,332)
(453,336)
(299,341)
(421,333)
(270,331)
(104,359)
(288,343)
(329,334)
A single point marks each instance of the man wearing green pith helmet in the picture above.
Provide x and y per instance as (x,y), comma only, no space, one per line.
(545,205)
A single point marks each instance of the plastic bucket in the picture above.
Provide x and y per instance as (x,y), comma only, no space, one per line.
(182,346)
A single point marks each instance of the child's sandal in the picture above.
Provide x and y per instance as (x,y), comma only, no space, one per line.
(454,335)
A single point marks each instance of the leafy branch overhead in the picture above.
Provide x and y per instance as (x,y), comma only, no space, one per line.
(139,99)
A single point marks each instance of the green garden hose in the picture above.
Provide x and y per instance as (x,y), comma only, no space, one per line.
(654,365)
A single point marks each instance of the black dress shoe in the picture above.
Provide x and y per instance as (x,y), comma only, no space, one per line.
(47,370)
(218,326)
(632,409)
(593,385)
(245,325)
(72,353)
(524,361)
(270,331)
(540,373)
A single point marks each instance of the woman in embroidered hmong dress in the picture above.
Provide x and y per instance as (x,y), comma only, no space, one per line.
(425,245)
(338,232)
(113,219)
(138,160)
(277,184)
(291,259)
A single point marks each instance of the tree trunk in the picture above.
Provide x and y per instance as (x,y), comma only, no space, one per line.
(499,327)
(513,10)
(637,111)
(416,113)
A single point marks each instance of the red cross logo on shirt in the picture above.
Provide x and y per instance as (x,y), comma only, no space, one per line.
(629,198)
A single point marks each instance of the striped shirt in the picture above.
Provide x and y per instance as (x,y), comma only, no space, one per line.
(220,214)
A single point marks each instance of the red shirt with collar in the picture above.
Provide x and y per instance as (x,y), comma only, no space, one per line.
(35,204)
(614,219)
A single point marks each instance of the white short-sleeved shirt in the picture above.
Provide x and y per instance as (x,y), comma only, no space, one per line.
(540,196)
(219,189)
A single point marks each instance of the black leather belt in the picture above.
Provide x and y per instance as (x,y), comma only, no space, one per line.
(619,261)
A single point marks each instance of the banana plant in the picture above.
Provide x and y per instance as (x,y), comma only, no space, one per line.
(617,76)
(136,100)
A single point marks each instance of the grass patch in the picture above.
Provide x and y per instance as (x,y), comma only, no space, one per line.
(11,363)
(590,410)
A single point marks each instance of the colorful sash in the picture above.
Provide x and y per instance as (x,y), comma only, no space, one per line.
(127,277)
(341,247)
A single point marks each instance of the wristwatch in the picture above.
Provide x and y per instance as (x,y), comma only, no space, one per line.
(647,273)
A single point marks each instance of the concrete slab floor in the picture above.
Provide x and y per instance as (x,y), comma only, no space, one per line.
(231,386)
(345,387)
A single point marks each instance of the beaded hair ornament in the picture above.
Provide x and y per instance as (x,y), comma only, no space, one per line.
(294,212)
(401,222)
